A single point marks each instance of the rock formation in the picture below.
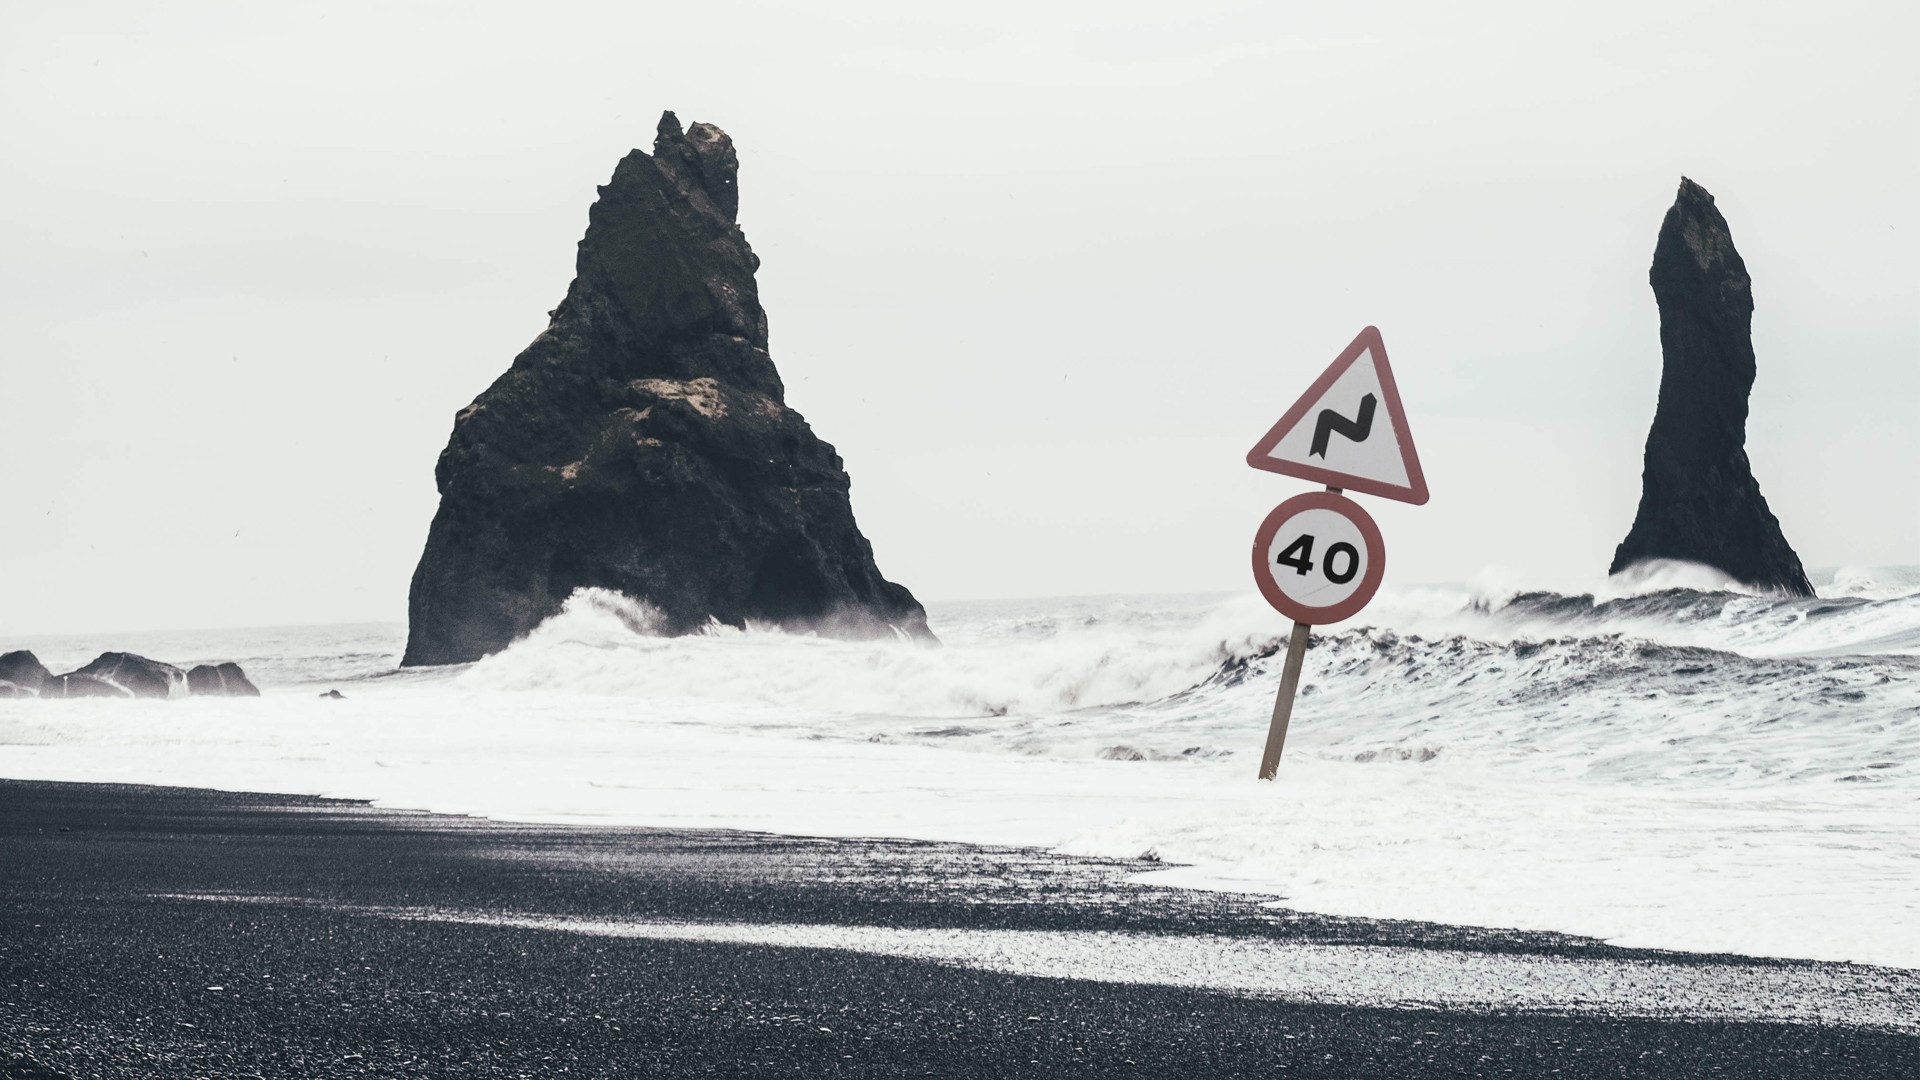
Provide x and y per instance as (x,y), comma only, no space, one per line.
(23,671)
(1698,499)
(642,443)
(220,680)
(76,685)
(118,675)
(137,675)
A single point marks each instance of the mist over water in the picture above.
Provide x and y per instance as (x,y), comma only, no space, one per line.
(1660,762)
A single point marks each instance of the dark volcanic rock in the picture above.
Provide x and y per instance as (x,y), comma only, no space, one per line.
(24,670)
(77,685)
(137,675)
(1698,499)
(117,674)
(643,444)
(220,680)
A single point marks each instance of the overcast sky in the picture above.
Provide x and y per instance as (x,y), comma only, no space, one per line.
(1041,272)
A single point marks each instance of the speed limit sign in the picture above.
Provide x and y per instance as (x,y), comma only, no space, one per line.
(1318,558)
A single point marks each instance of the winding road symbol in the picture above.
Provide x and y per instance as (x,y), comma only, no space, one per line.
(1331,423)
(1356,399)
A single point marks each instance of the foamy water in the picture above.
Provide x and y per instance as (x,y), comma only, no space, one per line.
(1666,764)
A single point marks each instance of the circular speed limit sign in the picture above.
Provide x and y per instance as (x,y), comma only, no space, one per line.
(1318,558)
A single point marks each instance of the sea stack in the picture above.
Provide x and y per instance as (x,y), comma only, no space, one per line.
(643,444)
(1698,499)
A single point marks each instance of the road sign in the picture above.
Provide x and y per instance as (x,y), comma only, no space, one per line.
(1318,558)
(1348,430)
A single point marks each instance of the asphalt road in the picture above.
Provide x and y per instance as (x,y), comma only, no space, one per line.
(148,932)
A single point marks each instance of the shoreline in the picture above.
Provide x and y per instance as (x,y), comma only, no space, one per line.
(1000,810)
(1488,782)
(130,902)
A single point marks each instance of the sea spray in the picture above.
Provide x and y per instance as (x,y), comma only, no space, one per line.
(1678,767)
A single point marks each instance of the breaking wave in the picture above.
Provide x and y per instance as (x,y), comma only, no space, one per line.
(1673,763)
(1672,685)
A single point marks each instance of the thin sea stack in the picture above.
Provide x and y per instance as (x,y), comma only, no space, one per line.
(1699,501)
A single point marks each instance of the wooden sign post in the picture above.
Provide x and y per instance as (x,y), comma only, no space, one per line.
(1283,701)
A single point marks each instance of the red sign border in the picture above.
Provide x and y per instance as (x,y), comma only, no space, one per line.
(1415,492)
(1369,584)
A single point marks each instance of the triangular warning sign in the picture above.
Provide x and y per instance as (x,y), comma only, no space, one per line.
(1348,430)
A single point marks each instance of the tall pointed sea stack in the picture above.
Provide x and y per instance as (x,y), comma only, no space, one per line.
(643,444)
(1698,498)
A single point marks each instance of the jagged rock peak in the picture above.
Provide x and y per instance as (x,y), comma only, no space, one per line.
(1699,501)
(704,155)
(643,444)
(1695,260)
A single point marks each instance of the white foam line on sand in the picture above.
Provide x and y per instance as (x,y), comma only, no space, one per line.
(1826,995)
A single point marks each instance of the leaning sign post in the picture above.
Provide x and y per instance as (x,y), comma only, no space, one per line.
(1318,557)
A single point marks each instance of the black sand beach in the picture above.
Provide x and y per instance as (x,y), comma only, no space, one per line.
(149,932)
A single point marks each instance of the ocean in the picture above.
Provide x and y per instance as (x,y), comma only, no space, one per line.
(1675,764)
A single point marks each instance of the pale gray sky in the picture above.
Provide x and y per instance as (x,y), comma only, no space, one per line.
(1043,273)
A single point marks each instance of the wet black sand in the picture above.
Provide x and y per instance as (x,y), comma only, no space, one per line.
(103,974)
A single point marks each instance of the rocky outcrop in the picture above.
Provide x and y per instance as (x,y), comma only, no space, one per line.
(643,444)
(219,680)
(119,675)
(76,685)
(1698,500)
(137,675)
(23,671)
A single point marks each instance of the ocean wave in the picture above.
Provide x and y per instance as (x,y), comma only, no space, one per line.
(1682,767)
(1734,622)
(1622,688)
(602,643)
(1619,706)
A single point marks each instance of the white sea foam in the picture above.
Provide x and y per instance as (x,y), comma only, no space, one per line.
(1664,767)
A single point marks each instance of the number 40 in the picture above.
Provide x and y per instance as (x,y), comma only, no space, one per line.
(1299,555)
